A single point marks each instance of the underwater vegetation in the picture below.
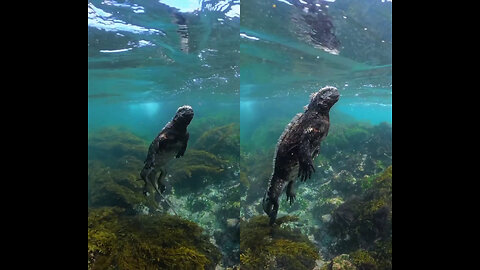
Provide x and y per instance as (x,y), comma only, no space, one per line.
(345,209)
(211,159)
(202,185)
(362,228)
(274,247)
(114,158)
(113,144)
(224,141)
(363,224)
(361,149)
(115,187)
(365,218)
(350,153)
(196,170)
(266,135)
(343,212)
(256,169)
(118,241)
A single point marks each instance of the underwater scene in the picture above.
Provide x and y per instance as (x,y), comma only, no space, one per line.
(228,134)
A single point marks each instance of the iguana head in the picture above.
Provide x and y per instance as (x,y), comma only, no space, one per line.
(184,115)
(324,99)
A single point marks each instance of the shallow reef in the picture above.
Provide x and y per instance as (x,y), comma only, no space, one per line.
(274,247)
(362,226)
(256,169)
(118,241)
(212,159)
(224,141)
(357,260)
(365,219)
(340,220)
(361,149)
(202,186)
(115,187)
(115,157)
(113,144)
(345,209)
(196,170)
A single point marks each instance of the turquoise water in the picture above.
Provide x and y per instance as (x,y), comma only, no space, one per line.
(145,58)
(246,67)
(281,66)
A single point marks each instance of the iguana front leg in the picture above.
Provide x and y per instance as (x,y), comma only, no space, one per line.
(305,162)
(182,150)
(160,183)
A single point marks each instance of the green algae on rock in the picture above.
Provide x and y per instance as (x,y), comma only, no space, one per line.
(204,187)
(360,149)
(274,247)
(115,187)
(196,170)
(341,262)
(117,241)
(115,157)
(357,260)
(111,143)
(223,141)
(363,225)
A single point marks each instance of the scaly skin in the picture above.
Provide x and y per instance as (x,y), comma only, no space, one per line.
(297,148)
(170,142)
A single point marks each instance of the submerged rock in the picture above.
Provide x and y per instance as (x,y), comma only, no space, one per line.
(197,170)
(274,247)
(363,225)
(115,187)
(341,262)
(202,186)
(112,144)
(223,141)
(358,260)
(117,241)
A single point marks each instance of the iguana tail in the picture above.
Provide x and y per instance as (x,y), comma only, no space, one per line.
(167,201)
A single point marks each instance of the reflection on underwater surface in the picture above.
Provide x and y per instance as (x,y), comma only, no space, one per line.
(246,75)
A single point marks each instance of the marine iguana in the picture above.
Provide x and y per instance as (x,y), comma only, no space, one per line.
(297,147)
(170,142)
(320,25)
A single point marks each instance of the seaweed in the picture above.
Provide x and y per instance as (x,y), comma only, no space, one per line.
(363,225)
(256,169)
(341,262)
(361,149)
(357,260)
(265,136)
(118,241)
(363,260)
(326,206)
(223,141)
(274,247)
(115,158)
(196,170)
(112,144)
(115,187)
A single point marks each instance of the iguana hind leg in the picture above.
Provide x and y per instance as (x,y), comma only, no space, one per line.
(146,175)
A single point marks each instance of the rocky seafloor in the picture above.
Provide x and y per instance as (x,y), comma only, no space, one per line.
(202,187)
(344,211)
(340,220)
